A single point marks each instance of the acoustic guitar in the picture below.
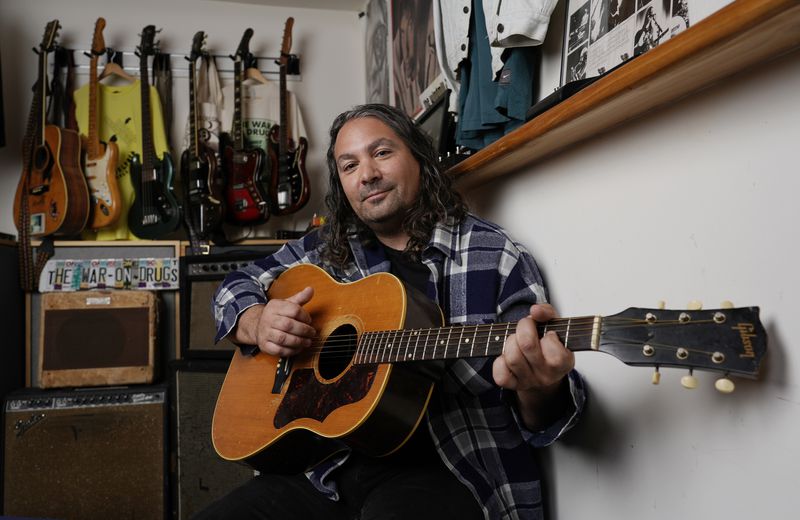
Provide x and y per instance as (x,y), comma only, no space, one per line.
(155,211)
(100,158)
(247,194)
(52,195)
(290,187)
(359,382)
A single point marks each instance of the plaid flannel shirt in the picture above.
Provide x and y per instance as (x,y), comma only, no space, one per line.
(478,275)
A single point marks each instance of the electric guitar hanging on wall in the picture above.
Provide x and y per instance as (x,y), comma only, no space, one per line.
(100,159)
(52,196)
(155,211)
(290,187)
(358,383)
(246,196)
(204,186)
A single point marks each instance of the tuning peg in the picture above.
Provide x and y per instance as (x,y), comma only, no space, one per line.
(689,381)
(726,304)
(694,305)
(656,377)
(724,385)
(661,304)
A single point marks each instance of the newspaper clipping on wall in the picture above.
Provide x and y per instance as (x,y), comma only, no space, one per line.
(601,34)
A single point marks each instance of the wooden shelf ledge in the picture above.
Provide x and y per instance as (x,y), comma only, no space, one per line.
(740,35)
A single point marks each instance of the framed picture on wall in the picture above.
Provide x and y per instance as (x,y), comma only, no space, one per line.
(601,34)
(377,51)
(413,52)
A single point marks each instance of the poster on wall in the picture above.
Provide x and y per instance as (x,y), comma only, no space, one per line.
(601,34)
(413,52)
(377,52)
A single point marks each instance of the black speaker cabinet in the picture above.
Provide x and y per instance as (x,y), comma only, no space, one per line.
(86,454)
(201,275)
(199,476)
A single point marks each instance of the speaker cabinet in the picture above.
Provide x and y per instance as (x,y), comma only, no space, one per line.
(201,275)
(87,250)
(93,338)
(199,475)
(86,454)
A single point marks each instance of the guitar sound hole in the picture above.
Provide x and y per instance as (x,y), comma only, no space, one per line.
(337,352)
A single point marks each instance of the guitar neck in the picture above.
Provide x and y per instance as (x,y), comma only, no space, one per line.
(238,134)
(465,341)
(194,141)
(148,150)
(41,95)
(93,148)
(283,146)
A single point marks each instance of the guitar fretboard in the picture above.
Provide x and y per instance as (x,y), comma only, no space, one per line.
(464,341)
(148,149)
(238,134)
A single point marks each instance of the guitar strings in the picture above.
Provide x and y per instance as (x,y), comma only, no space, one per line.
(347,345)
(474,330)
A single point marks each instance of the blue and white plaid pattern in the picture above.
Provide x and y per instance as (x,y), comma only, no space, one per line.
(478,275)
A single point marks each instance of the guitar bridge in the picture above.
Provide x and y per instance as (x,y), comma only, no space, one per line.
(282,371)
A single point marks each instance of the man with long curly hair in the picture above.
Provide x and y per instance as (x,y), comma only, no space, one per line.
(392,209)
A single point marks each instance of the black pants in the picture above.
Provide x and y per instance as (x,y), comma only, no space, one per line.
(368,488)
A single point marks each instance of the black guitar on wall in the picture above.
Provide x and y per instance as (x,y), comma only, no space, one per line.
(203,183)
(155,211)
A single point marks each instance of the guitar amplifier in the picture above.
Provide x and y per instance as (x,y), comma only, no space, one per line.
(199,476)
(89,454)
(93,338)
(201,275)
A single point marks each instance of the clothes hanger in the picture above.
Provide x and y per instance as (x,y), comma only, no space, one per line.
(255,74)
(113,68)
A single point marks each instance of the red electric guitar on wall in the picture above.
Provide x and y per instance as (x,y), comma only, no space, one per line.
(247,198)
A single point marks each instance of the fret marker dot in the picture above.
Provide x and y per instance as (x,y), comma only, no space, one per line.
(497,338)
(466,340)
(441,342)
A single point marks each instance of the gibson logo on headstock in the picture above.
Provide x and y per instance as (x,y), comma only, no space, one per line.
(745,333)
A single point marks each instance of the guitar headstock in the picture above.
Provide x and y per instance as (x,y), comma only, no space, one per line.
(98,42)
(730,341)
(243,51)
(148,46)
(286,44)
(198,44)
(48,43)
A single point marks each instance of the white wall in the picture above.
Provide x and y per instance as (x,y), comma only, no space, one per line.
(329,44)
(697,201)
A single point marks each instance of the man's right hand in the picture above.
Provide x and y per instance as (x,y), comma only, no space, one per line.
(280,328)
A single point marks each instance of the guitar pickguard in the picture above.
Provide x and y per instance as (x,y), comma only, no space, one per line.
(309,398)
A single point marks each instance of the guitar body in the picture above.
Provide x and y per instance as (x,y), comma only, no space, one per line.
(58,199)
(247,202)
(290,185)
(204,191)
(101,175)
(269,420)
(155,211)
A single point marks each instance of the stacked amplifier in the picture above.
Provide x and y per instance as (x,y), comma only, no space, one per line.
(117,416)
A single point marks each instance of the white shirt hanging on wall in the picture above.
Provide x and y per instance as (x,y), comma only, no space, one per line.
(260,111)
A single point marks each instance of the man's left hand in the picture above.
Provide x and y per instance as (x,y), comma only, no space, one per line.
(534,367)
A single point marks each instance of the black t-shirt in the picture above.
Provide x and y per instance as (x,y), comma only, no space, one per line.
(413,273)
